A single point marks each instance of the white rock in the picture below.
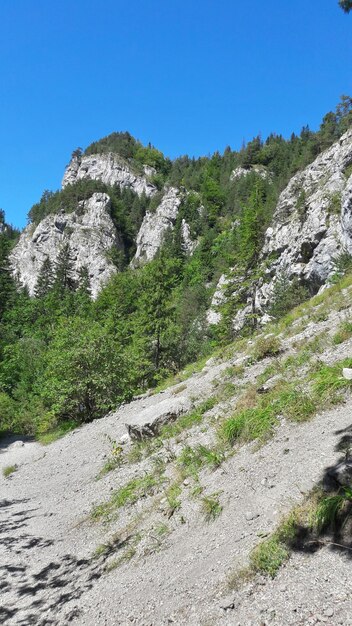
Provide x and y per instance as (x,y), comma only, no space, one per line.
(156,224)
(111,169)
(90,232)
(347,373)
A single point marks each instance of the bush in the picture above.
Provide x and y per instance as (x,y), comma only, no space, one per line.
(266,346)
(287,294)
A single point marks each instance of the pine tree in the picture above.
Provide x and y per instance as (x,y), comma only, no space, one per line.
(7,287)
(45,279)
(64,272)
(346,5)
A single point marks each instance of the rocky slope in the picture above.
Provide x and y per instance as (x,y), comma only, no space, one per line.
(311,228)
(87,573)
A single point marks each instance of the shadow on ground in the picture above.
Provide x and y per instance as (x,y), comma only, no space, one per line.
(335,531)
(39,595)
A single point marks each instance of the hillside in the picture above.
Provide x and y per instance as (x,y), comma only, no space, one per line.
(178,515)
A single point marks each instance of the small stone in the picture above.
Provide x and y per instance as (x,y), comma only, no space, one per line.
(16,444)
(329,612)
(251,515)
(347,373)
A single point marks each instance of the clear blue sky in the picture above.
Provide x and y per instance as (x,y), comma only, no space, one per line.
(190,76)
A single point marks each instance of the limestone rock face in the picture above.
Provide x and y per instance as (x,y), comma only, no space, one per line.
(156,224)
(111,169)
(90,232)
(312,224)
(213,314)
(311,227)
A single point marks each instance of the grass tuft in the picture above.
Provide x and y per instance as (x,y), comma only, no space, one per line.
(211,506)
(9,470)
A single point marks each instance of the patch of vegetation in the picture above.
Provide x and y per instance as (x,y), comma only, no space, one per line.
(343,333)
(145,448)
(266,346)
(128,494)
(211,506)
(9,470)
(330,508)
(328,382)
(191,460)
(269,556)
(60,431)
(172,495)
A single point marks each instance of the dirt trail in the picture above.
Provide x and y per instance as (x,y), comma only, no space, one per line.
(46,541)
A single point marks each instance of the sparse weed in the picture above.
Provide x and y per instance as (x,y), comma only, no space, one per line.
(329,508)
(247,425)
(128,494)
(191,460)
(172,495)
(211,506)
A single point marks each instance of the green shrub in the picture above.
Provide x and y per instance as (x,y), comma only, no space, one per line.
(266,346)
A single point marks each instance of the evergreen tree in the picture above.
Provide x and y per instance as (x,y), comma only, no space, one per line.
(45,279)
(7,287)
(64,273)
(346,5)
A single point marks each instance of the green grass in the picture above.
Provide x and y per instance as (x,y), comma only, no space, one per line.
(9,470)
(269,556)
(211,507)
(191,460)
(247,425)
(328,382)
(128,494)
(190,369)
(60,431)
(343,333)
(172,495)
(329,508)
(115,460)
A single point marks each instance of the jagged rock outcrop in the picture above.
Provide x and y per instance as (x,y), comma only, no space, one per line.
(312,224)
(111,169)
(311,228)
(242,172)
(213,314)
(90,232)
(156,224)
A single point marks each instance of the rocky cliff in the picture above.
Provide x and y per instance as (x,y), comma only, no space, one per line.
(311,228)
(155,226)
(90,232)
(110,169)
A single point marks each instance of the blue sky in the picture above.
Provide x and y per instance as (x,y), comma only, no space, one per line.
(189,76)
